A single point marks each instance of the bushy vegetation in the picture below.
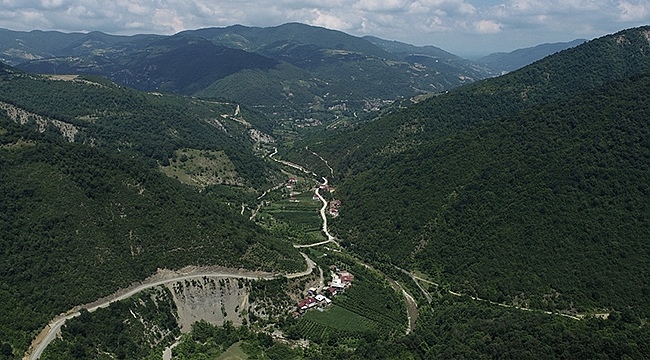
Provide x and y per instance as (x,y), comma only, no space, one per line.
(369,307)
(150,125)
(137,328)
(546,206)
(80,222)
(450,328)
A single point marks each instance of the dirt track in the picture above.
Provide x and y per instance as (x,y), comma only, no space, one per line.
(49,333)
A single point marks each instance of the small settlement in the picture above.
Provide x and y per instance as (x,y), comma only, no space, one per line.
(315,298)
(334,207)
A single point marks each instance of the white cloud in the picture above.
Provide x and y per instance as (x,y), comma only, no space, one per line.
(133,7)
(381,5)
(329,20)
(488,27)
(51,4)
(630,11)
(167,20)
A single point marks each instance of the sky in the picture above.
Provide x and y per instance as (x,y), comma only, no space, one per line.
(463,27)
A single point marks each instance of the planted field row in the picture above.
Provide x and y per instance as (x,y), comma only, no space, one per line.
(312,330)
(339,318)
(381,319)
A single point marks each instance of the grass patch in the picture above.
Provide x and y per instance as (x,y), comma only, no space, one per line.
(303,214)
(234,352)
(202,168)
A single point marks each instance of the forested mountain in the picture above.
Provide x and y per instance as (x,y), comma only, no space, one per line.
(181,64)
(338,68)
(85,209)
(557,77)
(505,62)
(527,189)
(18,46)
(302,71)
(79,221)
(99,112)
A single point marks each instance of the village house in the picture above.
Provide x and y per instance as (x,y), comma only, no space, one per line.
(291,182)
(307,303)
(322,299)
(340,281)
(334,207)
(346,278)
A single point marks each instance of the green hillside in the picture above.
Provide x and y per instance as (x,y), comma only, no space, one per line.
(152,125)
(546,206)
(527,189)
(302,71)
(566,74)
(86,211)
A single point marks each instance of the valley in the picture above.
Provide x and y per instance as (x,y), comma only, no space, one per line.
(253,210)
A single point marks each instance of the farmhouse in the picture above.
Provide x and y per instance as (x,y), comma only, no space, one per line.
(334,207)
(346,278)
(307,303)
(340,281)
(322,299)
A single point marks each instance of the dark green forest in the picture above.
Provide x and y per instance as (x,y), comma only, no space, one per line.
(137,328)
(543,206)
(564,75)
(79,222)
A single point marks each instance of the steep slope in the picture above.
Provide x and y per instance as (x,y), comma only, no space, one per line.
(505,62)
(79,222)
(544,208)
(180,64)
(152,125)
(342,69)
(557,77)
(525,189)
(185,65)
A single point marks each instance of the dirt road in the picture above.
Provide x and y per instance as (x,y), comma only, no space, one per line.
(49,333)
(323,215)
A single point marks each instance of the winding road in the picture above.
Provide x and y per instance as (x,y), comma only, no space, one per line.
(412,312)
(323,215)
(49,333)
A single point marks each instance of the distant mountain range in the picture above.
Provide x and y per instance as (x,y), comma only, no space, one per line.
(296,70)
(505,62)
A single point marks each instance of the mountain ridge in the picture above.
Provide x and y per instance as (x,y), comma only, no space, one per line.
(516,59)
(331,69)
